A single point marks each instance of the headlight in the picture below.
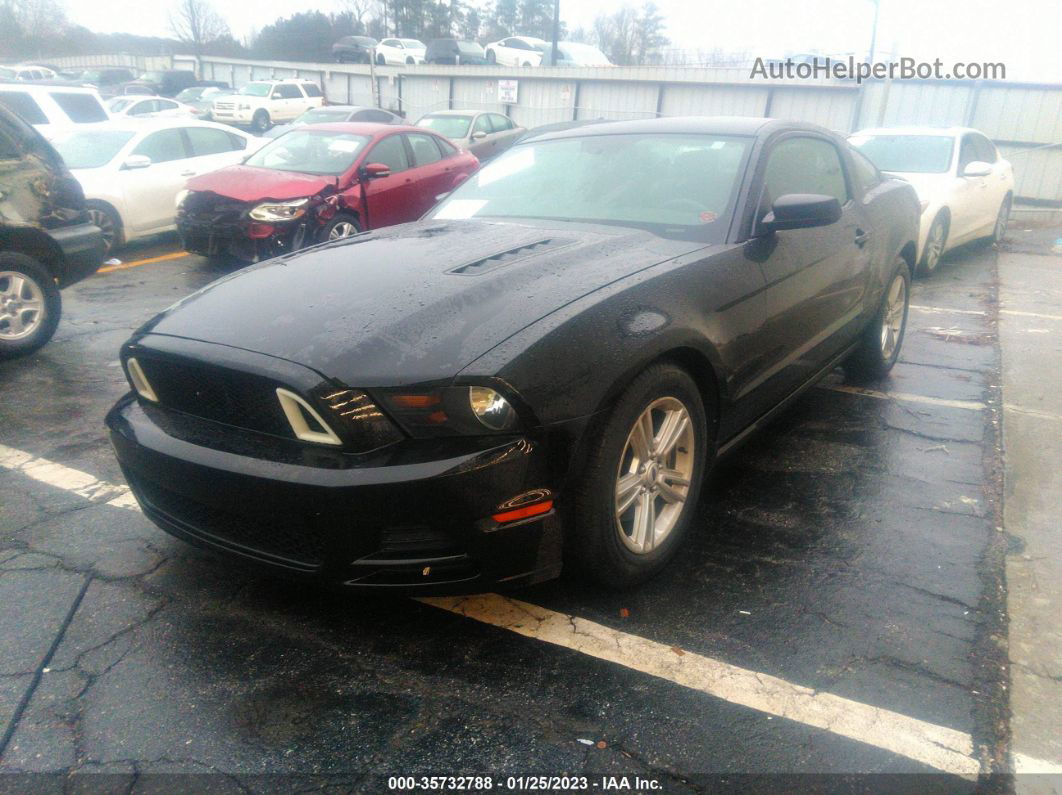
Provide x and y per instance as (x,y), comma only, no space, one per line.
(451,411)
(280,211)
(181,196)
(490,408)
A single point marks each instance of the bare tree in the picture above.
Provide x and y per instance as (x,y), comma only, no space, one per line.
(195,22)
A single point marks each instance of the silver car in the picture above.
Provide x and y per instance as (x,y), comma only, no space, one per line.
(484,134)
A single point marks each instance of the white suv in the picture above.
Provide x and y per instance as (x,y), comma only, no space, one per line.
(263,103)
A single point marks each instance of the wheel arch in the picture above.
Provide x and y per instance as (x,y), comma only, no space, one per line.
(34,243)
(117,214)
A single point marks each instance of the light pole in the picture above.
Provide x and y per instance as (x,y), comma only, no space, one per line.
(874,30)
(556,32)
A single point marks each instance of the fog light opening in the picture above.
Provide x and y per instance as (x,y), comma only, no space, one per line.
(297,411)
(140,382)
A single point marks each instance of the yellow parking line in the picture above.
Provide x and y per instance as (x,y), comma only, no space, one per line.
(139,262)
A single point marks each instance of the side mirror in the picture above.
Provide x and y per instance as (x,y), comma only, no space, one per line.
(802,211)
(478,135)
(977,168)
(136,161)
(375,171)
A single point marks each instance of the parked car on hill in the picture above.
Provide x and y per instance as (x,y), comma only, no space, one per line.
(538,373)
(167,82)
(486,135)
(47,241)
(263,103)
(149,107)
(354,49)
(108,80)
(517,51)
(319,182)
(53,108)
(132,170)
(202,99)
(25,72)
(337,113)
(574,53)
(400,51)
(454,52)
(964,185)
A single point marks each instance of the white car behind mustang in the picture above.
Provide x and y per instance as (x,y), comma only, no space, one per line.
(131,171)
(965,187)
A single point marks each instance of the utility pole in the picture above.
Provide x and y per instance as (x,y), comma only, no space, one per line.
(556,32)
(874,30)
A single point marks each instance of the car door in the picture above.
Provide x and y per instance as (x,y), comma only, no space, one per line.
(212,149)
(997,183)
(431,173)
(816,279)
(150,192)
(287,102)
(388,198)
(481,142)
(391,50)
(504,132)
(144,107)
(969,195)
(167,108)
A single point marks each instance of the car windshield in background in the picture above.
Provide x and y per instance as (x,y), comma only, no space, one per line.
(310,152)
(674,184)
(448,126)
(914,154)
(91,148)
(412,44)
(319,115)
(152,77)
(192,94)
(583,54)
(469,48)
(255,90)
(119,104)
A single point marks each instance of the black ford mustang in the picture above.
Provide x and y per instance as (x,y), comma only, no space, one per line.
(548,362)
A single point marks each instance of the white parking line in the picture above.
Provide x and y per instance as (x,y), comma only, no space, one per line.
(1043,415)
(939,747)
(970,405)
(1011,312)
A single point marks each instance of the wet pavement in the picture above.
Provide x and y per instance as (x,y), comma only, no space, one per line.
(854,548)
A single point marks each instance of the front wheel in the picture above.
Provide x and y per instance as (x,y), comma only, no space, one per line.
(339,227)
(632,506)
(999,231)
(880,346)
(380,60)
(260,122)
(30,305)
(936,241)
(492,57)
(103,216)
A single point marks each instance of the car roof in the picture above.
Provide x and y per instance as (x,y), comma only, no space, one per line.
(709,125)
(49,86)
(458,113)
(918,130)
(369,128)
(135,125)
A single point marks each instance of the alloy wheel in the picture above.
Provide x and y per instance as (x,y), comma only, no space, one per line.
(934,245)
(654,474)
(342,229)
(103,220)
(21,306)
(893,318)
(1001,222)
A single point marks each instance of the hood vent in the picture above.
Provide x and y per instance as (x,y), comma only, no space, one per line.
(485,264)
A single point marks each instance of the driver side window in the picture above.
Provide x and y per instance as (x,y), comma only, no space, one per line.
(391,152)
(803,165)
(482,125)
(162,146)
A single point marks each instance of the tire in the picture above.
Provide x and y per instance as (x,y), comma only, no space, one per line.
(380,60)
(936,242)
(342,225)
(880,345)
(492,57)
(24,284)
(110,223)
(260,121)
(604,540)
(999,231)
(527,63)
(410,62)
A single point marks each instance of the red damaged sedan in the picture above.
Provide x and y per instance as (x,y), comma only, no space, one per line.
(316,183)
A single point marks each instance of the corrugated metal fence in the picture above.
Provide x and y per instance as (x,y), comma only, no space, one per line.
(1023,119)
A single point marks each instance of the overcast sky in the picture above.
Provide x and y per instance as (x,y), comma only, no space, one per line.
(1023,34)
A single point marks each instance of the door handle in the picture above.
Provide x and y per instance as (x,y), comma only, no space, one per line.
(861,238)
(187,173)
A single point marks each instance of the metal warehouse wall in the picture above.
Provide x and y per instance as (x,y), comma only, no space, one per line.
(1021,118)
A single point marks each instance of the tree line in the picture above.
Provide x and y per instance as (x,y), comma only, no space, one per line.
(39,28)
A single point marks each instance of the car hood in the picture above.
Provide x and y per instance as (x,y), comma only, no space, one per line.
(413,303)
(247,183)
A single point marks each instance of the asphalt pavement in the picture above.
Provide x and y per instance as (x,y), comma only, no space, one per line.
(840,611)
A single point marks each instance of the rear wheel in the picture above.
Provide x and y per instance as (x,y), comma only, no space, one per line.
(339,227)
(29,305)
(632,507)
(260,122)
(492,57)
(380,60)
(104,216)
(880,347)
(936,240)
(1000,230)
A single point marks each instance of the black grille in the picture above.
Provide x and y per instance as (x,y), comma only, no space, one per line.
(240,399)
(290,538)
(204,208)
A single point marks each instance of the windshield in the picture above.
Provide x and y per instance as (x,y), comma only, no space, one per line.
(319,115)
(915,154)
(255,90)
(119,104)
(91,148)
(449,126)
(584,54)
(191,94)
(310,152)
(675,184)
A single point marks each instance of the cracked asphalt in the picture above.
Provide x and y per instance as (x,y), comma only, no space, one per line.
(855,547)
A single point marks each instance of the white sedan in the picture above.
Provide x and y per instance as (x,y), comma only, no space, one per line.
(400,51)
(150,107)
(517,51)
(964,185)
(132,170)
